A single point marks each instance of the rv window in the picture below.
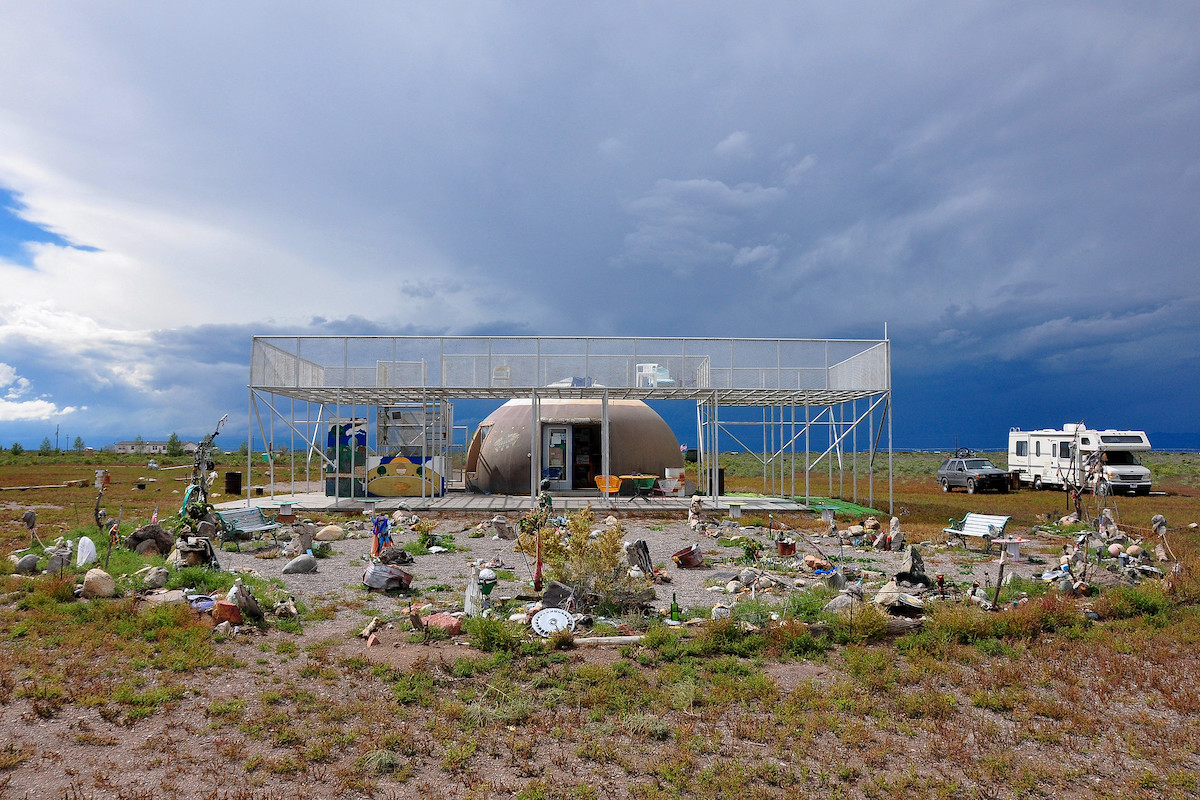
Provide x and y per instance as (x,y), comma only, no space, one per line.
(1085,440)
(1037,448)
(1120,458)
(1121,439)
(1053,449)
(1064,450)
(1022,448)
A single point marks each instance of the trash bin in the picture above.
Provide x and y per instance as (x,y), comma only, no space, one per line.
(233,483)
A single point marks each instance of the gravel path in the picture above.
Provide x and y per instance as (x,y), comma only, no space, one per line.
(340,575)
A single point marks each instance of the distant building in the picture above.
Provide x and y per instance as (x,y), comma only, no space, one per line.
(155,448)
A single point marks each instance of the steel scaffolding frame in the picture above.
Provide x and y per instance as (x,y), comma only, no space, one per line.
(778,376)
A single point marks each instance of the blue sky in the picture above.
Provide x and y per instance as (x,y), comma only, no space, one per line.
(1014,188)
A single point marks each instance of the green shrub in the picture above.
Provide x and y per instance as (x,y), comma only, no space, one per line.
(489,635)
(1123,602)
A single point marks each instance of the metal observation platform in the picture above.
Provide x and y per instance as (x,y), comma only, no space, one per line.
(815,396)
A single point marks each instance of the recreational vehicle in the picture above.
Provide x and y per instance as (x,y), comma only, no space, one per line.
(1102,461)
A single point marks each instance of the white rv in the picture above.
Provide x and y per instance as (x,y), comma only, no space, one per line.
(1102,461)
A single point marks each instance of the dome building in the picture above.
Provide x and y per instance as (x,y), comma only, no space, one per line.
(499,457)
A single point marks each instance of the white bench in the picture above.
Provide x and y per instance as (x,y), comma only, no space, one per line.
(982,526)
(245,520)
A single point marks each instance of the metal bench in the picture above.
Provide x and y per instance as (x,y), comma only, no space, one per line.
(982,526)
(245,520)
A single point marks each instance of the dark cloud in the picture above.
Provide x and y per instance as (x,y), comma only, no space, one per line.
(1012,188)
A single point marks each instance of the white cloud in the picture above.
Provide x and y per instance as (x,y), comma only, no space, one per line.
(735,145)
(13,409)
(794,173)
(763,256)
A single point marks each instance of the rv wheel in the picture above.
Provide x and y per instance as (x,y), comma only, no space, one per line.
(1037,483)
(970,486)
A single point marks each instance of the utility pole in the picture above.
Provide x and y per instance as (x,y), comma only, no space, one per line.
(56,427)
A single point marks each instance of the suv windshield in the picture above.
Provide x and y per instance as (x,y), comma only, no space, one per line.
(979,463)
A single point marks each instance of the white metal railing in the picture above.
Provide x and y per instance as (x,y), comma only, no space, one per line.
(470,362)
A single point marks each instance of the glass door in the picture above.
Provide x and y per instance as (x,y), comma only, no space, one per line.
(556,456)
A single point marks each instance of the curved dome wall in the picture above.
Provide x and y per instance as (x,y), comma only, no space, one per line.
(639,441)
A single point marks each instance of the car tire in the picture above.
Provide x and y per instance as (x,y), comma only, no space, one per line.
(1037,484)
(1004,488)
(970,486)
(945,485)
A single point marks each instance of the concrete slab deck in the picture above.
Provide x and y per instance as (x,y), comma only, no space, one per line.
(313,502)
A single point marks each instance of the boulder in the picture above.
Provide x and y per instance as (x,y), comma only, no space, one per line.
(163,541)
(854,531)
(98,583)
(840,603)
(1135,551)
(898,542)
(330,533)
(395,555)
(888,595)
(156,578)
(913,569)
(301,564)
(442,621)
(169,596)
(871,524)
(59,560)
(147,549)
(27,564)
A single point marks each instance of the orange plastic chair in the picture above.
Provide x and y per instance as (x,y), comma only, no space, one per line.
(608,484)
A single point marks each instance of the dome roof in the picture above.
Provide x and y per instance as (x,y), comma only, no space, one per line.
(498,457)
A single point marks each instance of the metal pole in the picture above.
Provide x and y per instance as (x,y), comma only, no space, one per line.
(249,442)
(605,462)
(806,452)
(854,444)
